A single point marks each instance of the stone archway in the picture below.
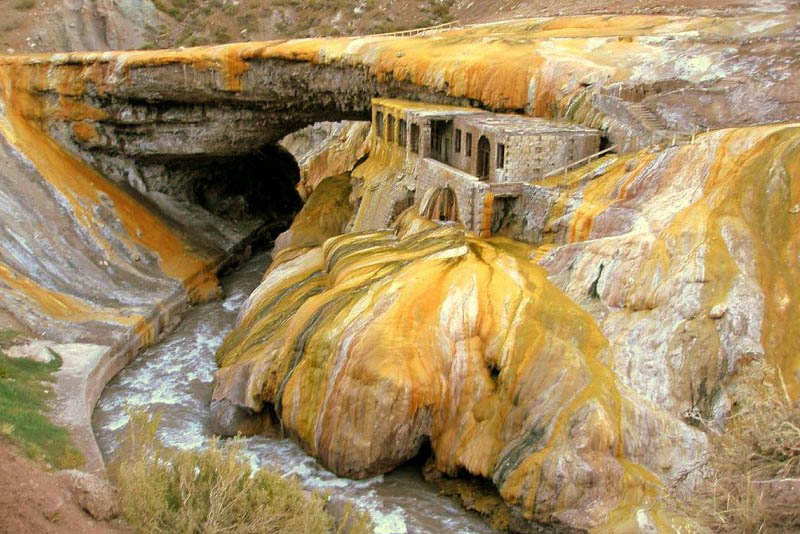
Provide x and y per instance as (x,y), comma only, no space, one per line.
(440,204)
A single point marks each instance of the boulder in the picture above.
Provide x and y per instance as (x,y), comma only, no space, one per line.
(93,493)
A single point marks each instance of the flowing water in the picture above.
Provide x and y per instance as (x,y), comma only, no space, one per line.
(174,377)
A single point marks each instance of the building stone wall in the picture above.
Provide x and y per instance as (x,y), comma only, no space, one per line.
(533,148)
(473,195)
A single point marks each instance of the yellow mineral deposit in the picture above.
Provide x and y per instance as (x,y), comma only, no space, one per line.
(535,65)
(375,342)
(743,221)
(341,155)
(84,188)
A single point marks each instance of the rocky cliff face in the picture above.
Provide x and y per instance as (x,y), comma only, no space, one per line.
(685,259)
(327,149)
(69,25)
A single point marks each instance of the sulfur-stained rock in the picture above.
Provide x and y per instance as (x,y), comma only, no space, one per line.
(375,343)
(692,255)
(228,420)
(325,214)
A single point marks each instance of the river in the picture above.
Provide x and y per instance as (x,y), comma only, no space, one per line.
(174,377)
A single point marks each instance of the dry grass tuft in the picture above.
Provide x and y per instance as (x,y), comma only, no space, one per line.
(214,491)
(24,5)
(753,470)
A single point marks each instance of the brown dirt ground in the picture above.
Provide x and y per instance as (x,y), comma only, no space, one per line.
(34,501)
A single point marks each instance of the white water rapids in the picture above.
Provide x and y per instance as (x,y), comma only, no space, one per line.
(174,377)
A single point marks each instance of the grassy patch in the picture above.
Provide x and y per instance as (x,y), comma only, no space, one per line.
(25,388)
(8,335)
(164,490)
(10,25)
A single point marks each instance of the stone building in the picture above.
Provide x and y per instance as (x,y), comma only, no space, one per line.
(472,165)
(492,147)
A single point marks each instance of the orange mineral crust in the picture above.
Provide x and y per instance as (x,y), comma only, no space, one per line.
(537,65)
(698,252)
(82,186)
(375,342)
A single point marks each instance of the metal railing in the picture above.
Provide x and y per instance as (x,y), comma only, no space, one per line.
(419,31)
(565,169)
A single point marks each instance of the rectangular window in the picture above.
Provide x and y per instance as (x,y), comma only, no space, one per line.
(390,129)
(379,124)
(415,138)
(501,155)
(468,149)
(458,140)
(401,133)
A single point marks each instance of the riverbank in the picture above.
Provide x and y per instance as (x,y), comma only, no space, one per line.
(34,500)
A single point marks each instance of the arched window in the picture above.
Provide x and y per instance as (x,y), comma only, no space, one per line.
(390,129)
(484,154)
(401,133)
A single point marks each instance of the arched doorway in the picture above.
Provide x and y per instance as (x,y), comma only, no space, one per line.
(484,152)
(439,204)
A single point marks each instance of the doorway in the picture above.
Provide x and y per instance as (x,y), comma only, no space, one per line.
(484,153)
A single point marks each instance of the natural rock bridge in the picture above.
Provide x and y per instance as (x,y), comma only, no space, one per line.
(175,113)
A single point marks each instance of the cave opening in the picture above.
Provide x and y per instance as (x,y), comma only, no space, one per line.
(252,195)
(605,142)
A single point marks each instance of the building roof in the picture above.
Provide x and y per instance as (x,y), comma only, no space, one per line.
(506,123)
(522,125)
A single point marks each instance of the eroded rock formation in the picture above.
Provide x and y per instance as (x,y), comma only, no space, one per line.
(676,263)
(377,342)
(327,149)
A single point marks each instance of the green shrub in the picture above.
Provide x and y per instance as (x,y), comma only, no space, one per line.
(25,389)
(213,491)
(161,6)
(221,35)
(25,5)
(8,335)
